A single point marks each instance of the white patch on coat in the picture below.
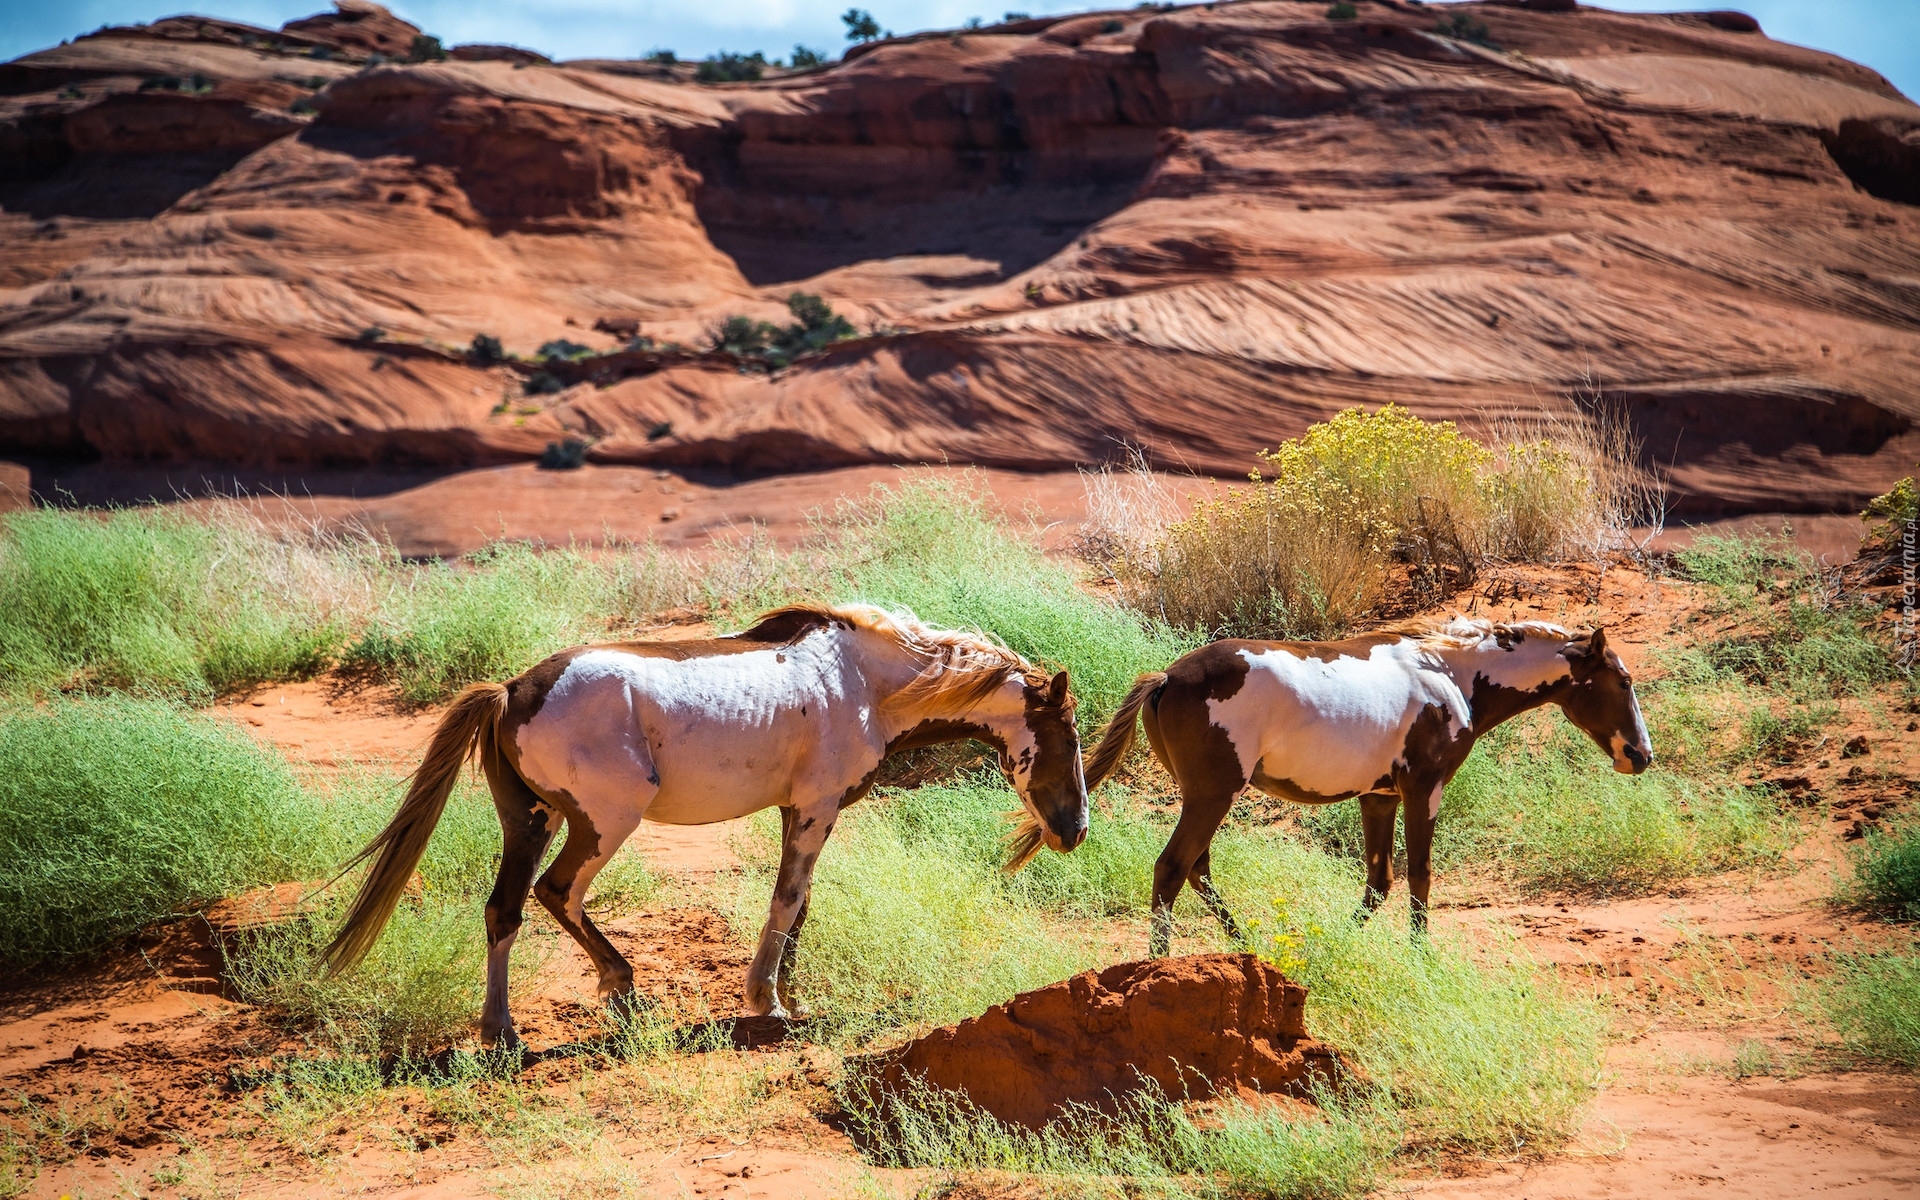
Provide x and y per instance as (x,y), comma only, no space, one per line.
(700,739)
(1333,727)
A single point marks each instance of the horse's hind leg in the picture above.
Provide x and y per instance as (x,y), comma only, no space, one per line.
(591,844)
(1192,836)
(1376,824)
(526,826)
(1201,877)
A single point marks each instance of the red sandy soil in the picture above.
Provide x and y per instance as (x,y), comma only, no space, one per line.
(1197,229)
(158,1039)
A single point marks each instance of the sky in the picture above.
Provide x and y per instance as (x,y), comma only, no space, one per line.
(1884,34)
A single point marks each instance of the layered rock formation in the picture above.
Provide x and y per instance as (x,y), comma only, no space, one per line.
(1192,229)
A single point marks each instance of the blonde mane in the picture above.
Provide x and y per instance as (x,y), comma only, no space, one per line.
(960,667)
(1464,633)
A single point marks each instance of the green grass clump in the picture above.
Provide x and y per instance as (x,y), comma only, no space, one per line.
(1873,1001)
(502,610)
(1149,1146)
(161,601)
(116,812)
(933,546)
(1887,872)
(1798,634)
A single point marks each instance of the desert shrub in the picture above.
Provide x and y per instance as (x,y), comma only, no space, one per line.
(486,350)
(494,615)
(1343,11)
(563,350)
(1886,871)
(727,67)
(1873,1001)
(162,600)
(569,454)
(816,326)
(861,27)
(117,812)
(665,58)
(1462,27)
(426,48)
(543,383)
(1309,547)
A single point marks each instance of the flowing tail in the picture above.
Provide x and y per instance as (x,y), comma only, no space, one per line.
(1120,732)
(470,726)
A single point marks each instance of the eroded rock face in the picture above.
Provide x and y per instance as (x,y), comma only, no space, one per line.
(1193,230)
(1193,1027)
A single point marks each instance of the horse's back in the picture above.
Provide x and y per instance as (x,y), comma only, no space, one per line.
(1326,718)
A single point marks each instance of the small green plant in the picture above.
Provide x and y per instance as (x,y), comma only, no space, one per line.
(805,59)
(426,48)
(727,67)
(1886,871)
(543,383)
(816,326)
(861,27)
(1873,1001)
(562,349)
(569,454)
(1343,11)
(1463,28)
(485,350)
(664,58)
(372,333)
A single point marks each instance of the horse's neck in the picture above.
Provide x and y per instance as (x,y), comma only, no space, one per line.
(1500,684)
(889,669)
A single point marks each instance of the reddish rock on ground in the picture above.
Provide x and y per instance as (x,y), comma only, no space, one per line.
(1196,1026)
(1196,229)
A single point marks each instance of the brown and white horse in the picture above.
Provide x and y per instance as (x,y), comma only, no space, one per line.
(797,712)
(1388,717)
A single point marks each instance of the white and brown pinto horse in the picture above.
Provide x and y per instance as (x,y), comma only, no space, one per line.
(797,712)
(1388,717)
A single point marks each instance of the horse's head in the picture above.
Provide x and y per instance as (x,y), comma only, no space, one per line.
(1042,762)
(1600,700)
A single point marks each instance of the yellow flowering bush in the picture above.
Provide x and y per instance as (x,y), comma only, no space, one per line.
(1311,545)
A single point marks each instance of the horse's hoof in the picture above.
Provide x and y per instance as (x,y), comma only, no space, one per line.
(797,1010)
(505,1041)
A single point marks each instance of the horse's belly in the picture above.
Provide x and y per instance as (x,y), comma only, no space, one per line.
(720,773)
(1329,764)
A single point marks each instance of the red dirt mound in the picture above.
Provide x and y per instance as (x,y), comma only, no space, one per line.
(1196,1026)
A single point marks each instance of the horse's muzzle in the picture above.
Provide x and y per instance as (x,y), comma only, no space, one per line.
(1638,760)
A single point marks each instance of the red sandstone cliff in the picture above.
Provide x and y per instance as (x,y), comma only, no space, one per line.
(1195,229)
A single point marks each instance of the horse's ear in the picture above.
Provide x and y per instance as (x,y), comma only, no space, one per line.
(1597,642)
(1057,690)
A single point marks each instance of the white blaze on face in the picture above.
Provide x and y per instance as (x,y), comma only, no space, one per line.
(1009,720)
(1636,737)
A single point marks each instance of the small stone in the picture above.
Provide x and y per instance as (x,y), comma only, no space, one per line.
(670,514)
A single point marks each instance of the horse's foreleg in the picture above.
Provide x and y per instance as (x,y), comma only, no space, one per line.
(526,826)
(1192,836)
(1423,813)
(803,833)
(591,843)
(1376,826)
(1201,877)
